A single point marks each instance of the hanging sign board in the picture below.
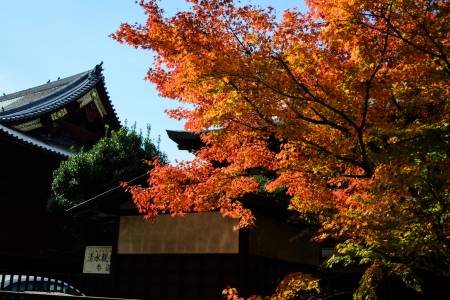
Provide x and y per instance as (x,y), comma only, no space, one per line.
(97,259)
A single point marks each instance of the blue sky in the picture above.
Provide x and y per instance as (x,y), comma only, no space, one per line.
(46,39)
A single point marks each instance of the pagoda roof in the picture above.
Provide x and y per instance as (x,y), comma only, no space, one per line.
(40,100)
(185,140)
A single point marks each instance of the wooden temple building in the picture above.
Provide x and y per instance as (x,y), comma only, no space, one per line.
(198,255)
(38,128)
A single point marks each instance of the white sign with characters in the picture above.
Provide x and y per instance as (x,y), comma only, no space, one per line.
(97,259)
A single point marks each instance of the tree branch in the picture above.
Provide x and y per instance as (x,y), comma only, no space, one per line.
(313,97)
(249,102)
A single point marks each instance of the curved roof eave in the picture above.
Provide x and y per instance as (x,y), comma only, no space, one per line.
(76,87)
(31,141)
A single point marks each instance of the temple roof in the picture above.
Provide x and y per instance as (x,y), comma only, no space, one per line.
(37,101)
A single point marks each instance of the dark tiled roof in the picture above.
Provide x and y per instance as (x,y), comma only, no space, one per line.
(46,98)
(21,98)
(31,141)
(49,97)
(185,140)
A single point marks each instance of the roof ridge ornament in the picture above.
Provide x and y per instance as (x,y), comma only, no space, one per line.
(98,69)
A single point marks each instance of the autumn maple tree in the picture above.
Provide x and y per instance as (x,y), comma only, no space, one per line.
(345,106)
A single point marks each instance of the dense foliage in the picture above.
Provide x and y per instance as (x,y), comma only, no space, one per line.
(120,156)
(356,92)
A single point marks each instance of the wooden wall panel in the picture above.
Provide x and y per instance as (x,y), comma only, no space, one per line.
(274,239)
(193,233)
